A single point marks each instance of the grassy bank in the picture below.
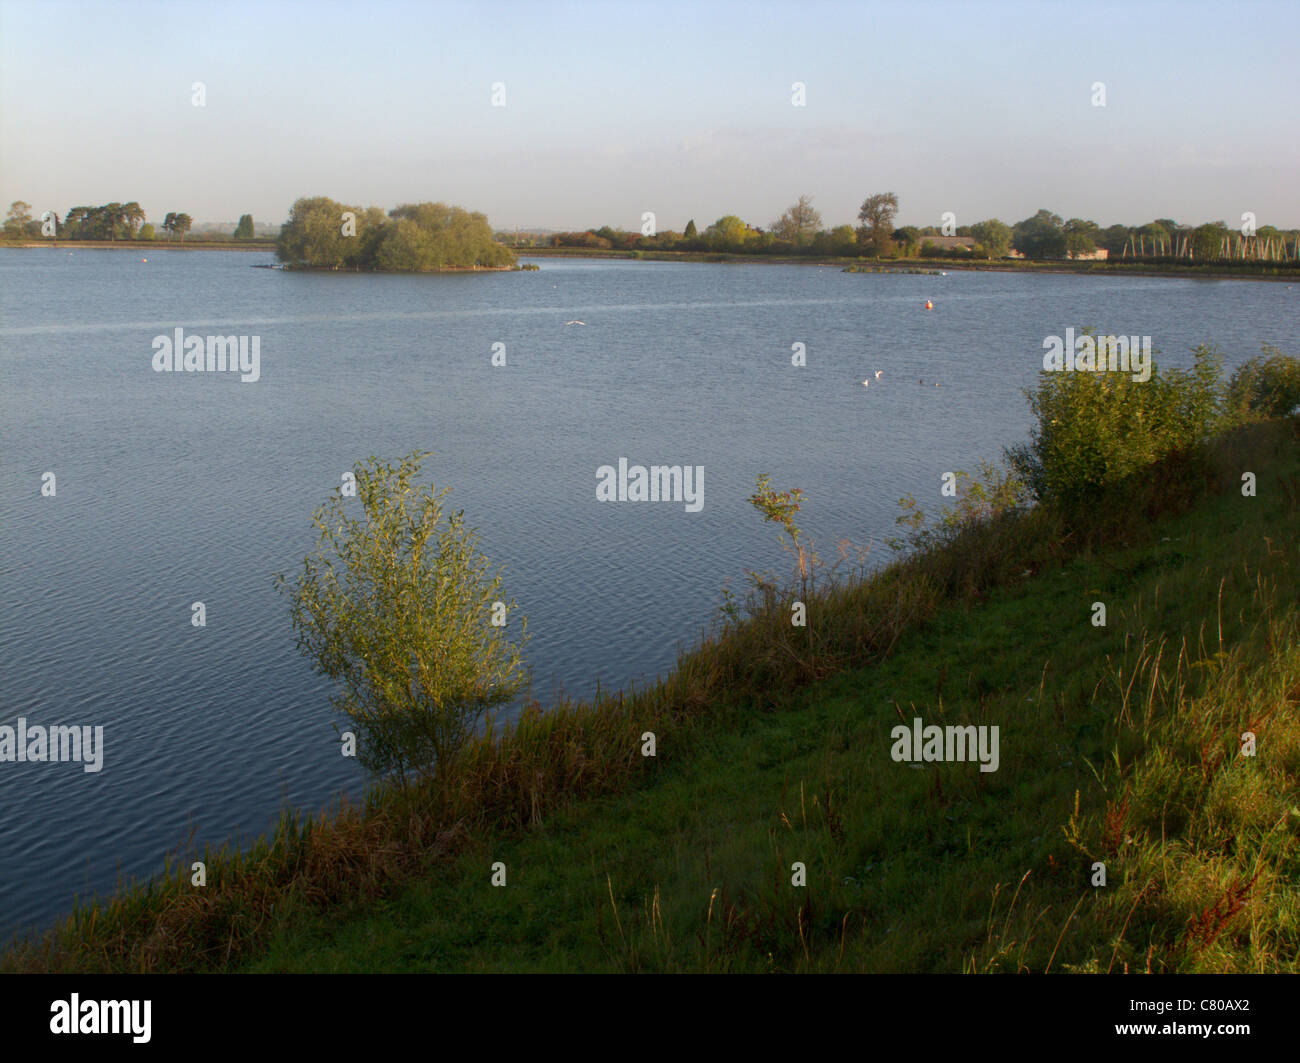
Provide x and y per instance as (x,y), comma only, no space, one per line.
(1119,744)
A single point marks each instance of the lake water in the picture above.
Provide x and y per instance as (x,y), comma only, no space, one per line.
(181,487)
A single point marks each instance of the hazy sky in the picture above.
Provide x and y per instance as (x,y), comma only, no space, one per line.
(611,109)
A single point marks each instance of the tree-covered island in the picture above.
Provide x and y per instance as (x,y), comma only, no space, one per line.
(412,238)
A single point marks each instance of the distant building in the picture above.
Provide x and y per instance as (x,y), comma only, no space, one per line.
(1099,255)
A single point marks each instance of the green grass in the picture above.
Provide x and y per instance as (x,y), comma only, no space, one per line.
(940,868)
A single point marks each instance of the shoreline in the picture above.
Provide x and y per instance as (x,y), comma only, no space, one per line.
(269,904)
(106,245)
(1286,273)
(358,269)
(129,245)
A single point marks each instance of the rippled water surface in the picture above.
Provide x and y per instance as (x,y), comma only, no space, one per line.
(176,488)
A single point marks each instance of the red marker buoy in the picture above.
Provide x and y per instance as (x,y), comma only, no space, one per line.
(929,305)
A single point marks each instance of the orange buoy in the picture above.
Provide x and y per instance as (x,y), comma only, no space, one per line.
(929,305)
(144,260)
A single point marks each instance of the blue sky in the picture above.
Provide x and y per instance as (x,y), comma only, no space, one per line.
(979,108)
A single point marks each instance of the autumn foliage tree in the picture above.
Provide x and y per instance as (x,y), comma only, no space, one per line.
(877,218)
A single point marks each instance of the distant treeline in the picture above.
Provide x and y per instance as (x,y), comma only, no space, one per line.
(109,221)
(1044,235)
(419,237)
